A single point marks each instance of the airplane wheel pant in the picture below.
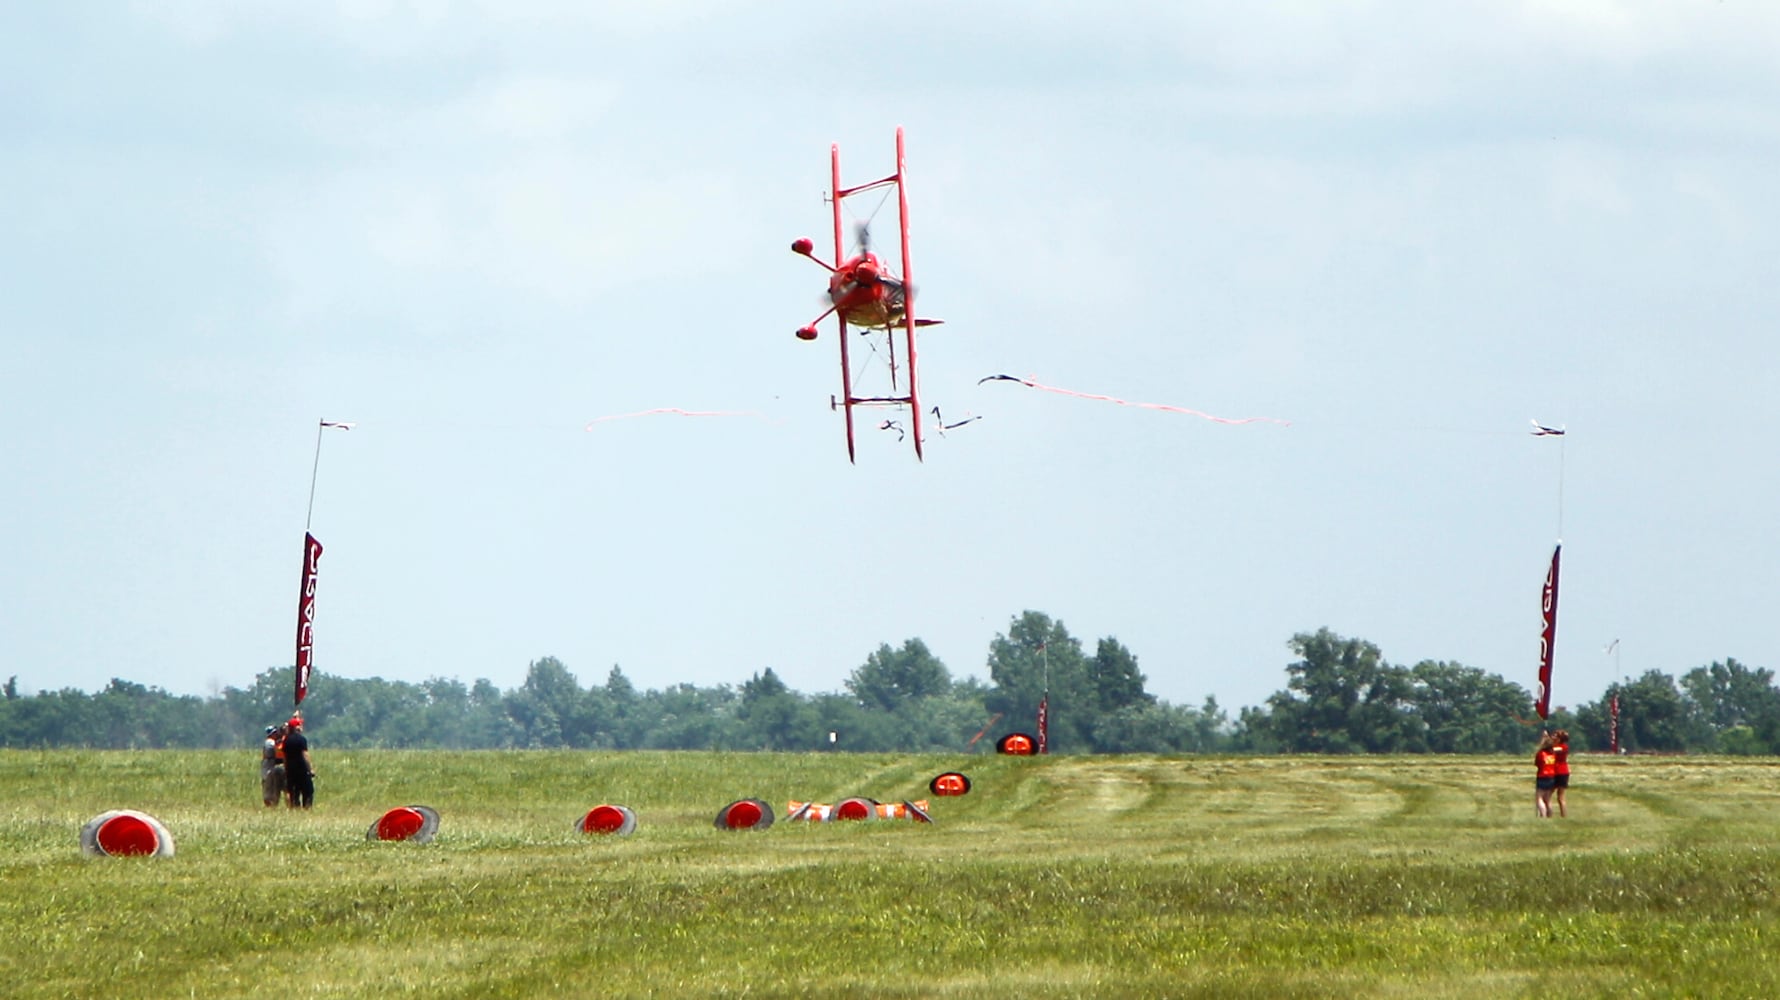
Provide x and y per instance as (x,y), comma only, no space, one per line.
(125,832)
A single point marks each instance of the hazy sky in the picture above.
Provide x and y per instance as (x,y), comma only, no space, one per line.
(473,227)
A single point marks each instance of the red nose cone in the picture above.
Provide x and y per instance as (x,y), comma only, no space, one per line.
(865,273)
(807,333)
(802,246)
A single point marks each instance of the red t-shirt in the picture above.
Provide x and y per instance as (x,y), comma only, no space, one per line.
(1562,753)
(1547,762)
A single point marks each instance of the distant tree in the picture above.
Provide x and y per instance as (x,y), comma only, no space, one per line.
(1739,704)
(1254,732)
(488,724)
(1212,730)
(538,706)
(889,679)
(1341,697)
(1655,715)
(267,701)
(901,699)
(1118,684)
(62,718)
(1035,655)
(444,714)
(1466,710)
(366,712)
(624,706)
(948,721)
(773,717)
(685,717)
(1743,741)
(1156,727)
(553,709)
(855,726)
(119,714)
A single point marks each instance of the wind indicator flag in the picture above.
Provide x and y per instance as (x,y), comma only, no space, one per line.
(1548,606)
(311,559)
(1613,704)
(1044,723)
(306,615)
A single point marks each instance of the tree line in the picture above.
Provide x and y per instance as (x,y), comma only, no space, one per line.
(1341,696)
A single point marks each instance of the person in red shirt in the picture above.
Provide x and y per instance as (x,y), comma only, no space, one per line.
(1560,748)
(1545,759)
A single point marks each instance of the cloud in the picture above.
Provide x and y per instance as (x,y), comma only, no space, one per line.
(561,226)
(492,113)
(394,26)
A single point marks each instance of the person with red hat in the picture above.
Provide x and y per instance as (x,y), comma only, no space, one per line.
(299,770)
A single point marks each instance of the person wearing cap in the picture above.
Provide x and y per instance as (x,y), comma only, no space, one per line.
(272,766)
(299,770)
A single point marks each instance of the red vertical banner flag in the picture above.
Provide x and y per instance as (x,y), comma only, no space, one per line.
(306,614)
(1044,722)
(1613,724)
(1548,606)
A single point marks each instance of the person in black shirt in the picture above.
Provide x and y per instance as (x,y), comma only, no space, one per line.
(299,772)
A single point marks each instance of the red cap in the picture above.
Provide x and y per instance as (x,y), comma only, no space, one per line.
(296,722)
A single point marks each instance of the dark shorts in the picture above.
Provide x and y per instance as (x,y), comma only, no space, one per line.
(1562,781)
(1545,784)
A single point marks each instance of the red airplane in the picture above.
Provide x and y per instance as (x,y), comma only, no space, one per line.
(864,292)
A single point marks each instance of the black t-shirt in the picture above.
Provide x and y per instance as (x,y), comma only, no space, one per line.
(295,746)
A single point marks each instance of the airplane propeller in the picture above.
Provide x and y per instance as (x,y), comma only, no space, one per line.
(867,275)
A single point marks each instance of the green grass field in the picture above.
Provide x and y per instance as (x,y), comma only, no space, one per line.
(1061,876)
